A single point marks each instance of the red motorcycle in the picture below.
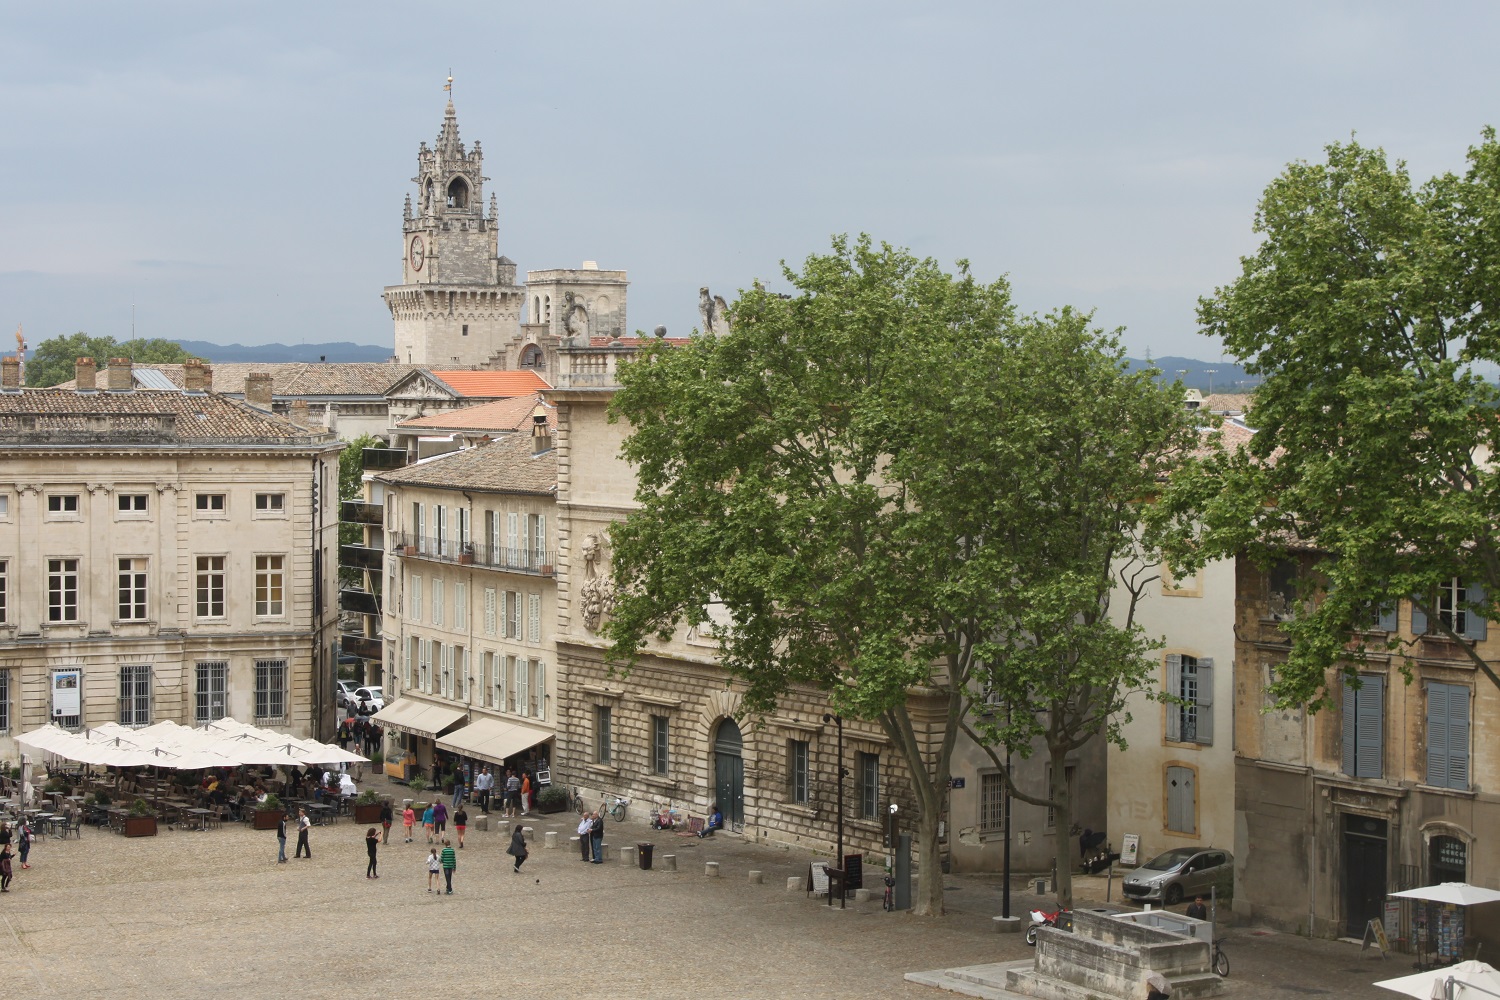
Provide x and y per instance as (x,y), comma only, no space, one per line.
(1041,918)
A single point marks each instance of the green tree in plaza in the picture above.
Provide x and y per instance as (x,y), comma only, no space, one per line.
(1370,310)
(352,487)
(847,472)
(52,361)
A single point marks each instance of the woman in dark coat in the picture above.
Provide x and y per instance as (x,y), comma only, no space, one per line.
(517,848)
(372,843)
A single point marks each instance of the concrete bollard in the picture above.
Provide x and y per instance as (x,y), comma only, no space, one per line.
(526,833)
(756,878)
(551,839)
(796,883)
(630,856)
(1006,925)
(480,822)
(711,869)
(405,803)
(863,895)
(668,862)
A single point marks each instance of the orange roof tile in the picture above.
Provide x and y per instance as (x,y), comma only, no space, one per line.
(500,415)
(493,384)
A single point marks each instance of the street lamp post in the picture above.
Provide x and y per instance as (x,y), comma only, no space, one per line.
(839,719)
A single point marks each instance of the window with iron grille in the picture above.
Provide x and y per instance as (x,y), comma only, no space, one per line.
(991,801)
(868,770)
(796,771)
(132,589)
(270,689)
(135,695)
(211,695)
(4,592)
(603,735)
(659,736)
(4,701)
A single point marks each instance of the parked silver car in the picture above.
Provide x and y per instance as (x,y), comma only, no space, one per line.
(1181,872)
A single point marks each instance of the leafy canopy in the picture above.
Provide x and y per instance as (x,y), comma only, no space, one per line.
(52,361)
(1366,309)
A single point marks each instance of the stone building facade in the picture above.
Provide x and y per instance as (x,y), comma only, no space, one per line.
(164,555)
(674,729)
(1393,787)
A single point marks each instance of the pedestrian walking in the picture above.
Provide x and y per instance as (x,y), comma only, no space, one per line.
(460,823)
(459,782)
(525,793)
(596,836)
(450,864)
(585,840)
(372,843)
(517,848)
(408,820)
(24,837)
(303,826)
(5,869)
(512,793)
(433,867)
(281,839)
(439,819)
(427,822)
(386,815)
(483,782)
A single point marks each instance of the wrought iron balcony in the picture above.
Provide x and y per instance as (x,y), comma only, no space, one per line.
(361,602)
(384,458)
(364,646)
(358,512)
(361,557)
(532,562)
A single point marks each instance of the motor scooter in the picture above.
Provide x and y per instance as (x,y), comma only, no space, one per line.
(1041,918)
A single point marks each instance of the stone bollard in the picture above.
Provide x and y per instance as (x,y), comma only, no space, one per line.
(756,878)
(1006,925)
(796,883)
(480,822)
(711,869)
(526,833)
(863,895)
(405,803)
(551,839)
(630,856)
(668,862)
(603,851)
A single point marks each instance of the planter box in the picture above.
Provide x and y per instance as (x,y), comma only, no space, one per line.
(140,826)
(466,558)
(545,569)
(267,819)
(552,807)
(408,550)
(366,815)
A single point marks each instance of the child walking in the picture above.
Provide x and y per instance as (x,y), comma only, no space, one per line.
(433,867)
(408,820)
(427,822)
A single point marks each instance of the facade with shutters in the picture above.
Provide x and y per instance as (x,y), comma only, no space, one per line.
(1392,787)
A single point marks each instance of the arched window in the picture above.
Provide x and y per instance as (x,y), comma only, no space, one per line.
(1447,860)
(532,357)
(458,193)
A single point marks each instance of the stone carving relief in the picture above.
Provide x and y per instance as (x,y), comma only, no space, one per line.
(713,313)
(597,594)
(575,316)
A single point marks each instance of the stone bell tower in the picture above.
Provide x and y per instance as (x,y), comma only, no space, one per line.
(458,302)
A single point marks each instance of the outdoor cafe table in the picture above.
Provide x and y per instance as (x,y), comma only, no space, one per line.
(321,813)
(201,815)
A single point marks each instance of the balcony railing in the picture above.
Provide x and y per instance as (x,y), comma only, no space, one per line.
(384,458)
(364,646)
(357,512)
(359,601)
(361,557)
(536,562)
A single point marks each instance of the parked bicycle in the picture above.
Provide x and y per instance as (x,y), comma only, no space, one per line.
(1220,960)
(616,808)
(890,892)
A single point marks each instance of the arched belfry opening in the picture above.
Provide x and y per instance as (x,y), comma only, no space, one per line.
(458,193)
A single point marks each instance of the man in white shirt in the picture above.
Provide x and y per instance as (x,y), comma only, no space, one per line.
(482,785)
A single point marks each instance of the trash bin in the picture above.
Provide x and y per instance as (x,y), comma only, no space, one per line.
(1041,887)
(644,852)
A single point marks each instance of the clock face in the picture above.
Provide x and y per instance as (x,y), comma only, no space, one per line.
(418,253)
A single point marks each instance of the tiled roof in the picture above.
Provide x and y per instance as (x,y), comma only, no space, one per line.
(1232,436)
(636,341)
(500,415)
(505,465)
(493,384)
(290,378)
(1234,403)
(142,416)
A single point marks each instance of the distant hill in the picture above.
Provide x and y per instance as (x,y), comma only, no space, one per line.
(1225,377)
(339,351)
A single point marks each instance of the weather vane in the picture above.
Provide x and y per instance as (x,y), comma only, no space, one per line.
(448,87)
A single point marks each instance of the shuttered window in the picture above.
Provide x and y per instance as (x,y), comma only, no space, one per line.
(1190,678)
(1448,735)
(489,611)
(1364,727)
(1182,800)
(461,607)
(1450,600)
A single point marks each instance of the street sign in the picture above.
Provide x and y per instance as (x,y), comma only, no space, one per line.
(955,782)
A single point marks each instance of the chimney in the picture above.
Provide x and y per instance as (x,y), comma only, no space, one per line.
(84,373)
(541,435)
(258,390)
(192,375)
(10,372)
(119,375)
(299,413)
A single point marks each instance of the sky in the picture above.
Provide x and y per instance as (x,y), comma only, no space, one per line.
(236,172)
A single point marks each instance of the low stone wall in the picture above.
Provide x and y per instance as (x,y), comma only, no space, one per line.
(1111,958)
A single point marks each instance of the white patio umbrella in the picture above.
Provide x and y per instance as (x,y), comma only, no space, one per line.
(324,753)
(1458,893)
(46,738)
(1470,980)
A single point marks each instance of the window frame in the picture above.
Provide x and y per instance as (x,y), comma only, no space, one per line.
(68,507)
(275,505)
(4,597)
(271,676)
(135,512)
(661,745)
(58,574)
(203,591)
(132,712)
(1363,728)
(132,590)
(991,801)
(1449,765)
(203,694)
(798,772)
(604,735)
(867,784)
(204,508)
(275,583)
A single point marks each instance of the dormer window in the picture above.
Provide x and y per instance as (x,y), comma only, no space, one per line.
(458,193)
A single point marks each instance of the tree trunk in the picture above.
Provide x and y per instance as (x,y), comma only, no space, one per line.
(928,901)
(930,789)
(1062,815)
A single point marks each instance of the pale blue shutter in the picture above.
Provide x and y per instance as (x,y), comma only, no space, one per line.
(1458,737)
(1418,620)
(1370,752)
(1474,624)
(1350,723)
(1437,734)
(1174,688)
(1387,620)
(1205,700)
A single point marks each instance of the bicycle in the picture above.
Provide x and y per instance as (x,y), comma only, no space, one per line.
(890,892)
(576,800)
(1220,960)
(616,809)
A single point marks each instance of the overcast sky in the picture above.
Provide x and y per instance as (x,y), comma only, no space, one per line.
(237,170)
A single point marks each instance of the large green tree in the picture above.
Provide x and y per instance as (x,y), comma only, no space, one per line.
(1370,310)
(847,472)
(52,361)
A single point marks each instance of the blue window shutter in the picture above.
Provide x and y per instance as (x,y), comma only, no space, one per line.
(1387,621)
(1437,734)
(1418,621)
(1205,700)
(1174,688)
(1350,719)
(1458,737)
(1474,624)
(1370,735)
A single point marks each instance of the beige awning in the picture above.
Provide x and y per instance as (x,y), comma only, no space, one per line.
(407,715)
(493,739)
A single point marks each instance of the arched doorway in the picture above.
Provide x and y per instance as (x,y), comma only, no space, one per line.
(729,773)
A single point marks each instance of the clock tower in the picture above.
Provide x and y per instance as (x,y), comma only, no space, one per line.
(458,303)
